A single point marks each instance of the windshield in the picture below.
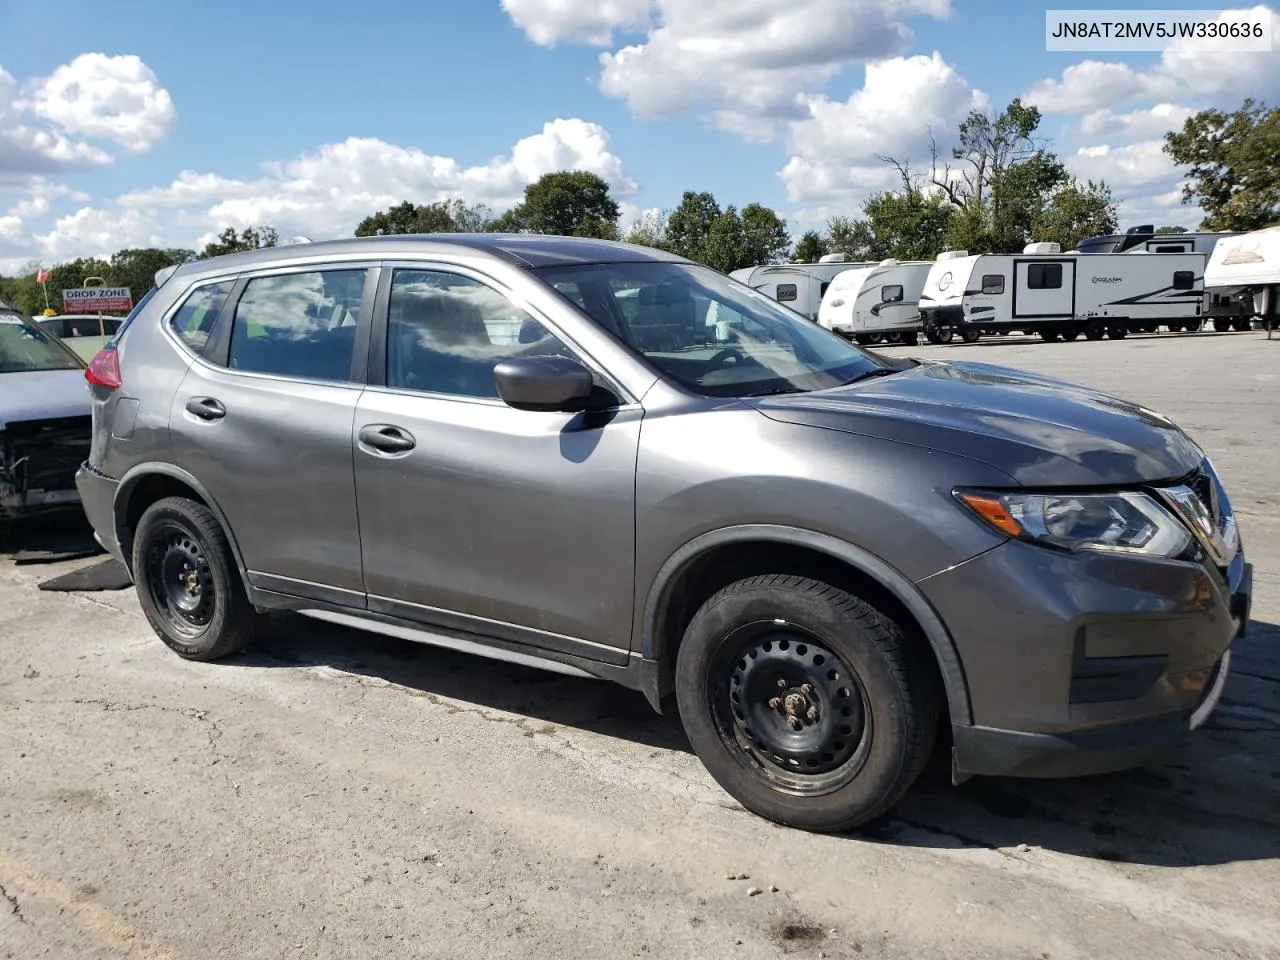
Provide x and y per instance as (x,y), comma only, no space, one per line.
(25,347)
(707,332)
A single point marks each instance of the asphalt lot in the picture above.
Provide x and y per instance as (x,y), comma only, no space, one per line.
(334,794)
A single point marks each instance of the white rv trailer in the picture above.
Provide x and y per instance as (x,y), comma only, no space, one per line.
(870,304)
(1227,308)
(1056,294)
(799,286)
(1250,263)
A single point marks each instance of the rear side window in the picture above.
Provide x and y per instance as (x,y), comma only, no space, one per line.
(993,283)
(195,318)
(1183,280)
(891,293)
(1044,276)
(298,325)
(787,292)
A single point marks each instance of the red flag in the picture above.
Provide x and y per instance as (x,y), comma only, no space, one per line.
(42,275)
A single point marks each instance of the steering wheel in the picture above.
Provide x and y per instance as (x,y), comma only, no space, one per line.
(723,357)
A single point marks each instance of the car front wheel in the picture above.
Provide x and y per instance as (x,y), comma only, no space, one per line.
(187,582)
(806,704)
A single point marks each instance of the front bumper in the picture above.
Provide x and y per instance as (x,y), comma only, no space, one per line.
(1085,664)
(98,497)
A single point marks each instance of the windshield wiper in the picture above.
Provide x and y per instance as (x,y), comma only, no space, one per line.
(877,372)
(773,392)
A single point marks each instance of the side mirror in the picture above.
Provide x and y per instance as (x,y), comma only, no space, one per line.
(549,384)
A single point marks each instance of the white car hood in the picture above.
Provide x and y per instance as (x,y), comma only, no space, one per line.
(42,394)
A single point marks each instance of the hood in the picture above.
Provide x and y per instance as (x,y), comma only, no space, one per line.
(42,394)
(1040,431)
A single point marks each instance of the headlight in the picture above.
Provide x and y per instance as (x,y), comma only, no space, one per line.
(1124,522)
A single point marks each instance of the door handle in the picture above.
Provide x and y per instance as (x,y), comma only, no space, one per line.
(387,439)
(206,408)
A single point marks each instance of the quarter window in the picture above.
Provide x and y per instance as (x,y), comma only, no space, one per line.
(1183,280)
(195,318)
(787,292)
(993,283)
(1044,276)
(891,293)
(298,325)
(447,332)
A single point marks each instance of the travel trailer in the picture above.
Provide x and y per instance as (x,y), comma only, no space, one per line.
(1059,295)
(1226,308)
(799,286)
(876,303)
(1250,264)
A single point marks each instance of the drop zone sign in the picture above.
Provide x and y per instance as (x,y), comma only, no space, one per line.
(96,299)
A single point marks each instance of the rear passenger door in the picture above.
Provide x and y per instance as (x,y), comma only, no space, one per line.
(475,516)
(263,420)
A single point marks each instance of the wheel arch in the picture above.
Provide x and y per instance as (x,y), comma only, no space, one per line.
(146,483)
(665,606)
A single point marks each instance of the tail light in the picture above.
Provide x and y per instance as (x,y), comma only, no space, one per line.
(104,369)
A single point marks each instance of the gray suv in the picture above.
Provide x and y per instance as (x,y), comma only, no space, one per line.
(621,464)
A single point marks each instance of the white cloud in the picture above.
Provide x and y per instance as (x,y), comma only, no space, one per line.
(834,148)
(744,62)
(58,123)
(106,98)
(1156,121)
(1188,70)
(546,21)
(1124,168)
(326,192)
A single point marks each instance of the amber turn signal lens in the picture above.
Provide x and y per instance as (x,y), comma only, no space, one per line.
(992,510)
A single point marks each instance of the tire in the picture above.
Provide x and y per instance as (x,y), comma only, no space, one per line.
(1094,330)
(971,334)
(1243,326)
(1049,336)
(1117,332)
(1192,326)
(1174,327)
(937,335)
(1070,334)
(1222,326)
(209,617)
(911,339)
(863,339)
(848,654)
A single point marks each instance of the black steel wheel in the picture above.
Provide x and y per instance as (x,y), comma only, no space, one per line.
(789,707)
(939,335)
(806,704)
(187,581)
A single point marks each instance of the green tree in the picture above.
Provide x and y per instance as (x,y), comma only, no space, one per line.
(690,223)
(1233,159)
(851,238)
(728,246)
(1003,178)
(1164,230)
(443,216)
(250,238)
(907,225)
(568,203)
(1076,212)
(137,269)
(767,239)
(649,231)
(810,247)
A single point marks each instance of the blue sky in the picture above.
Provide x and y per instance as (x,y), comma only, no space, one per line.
(163,122)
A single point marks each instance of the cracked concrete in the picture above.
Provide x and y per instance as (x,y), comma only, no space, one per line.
(331,794)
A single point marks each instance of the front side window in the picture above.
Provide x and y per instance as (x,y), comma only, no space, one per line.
(446,332)
(891,293)
(993,283)
(787,292)
(710,334)
(1044,276)
(24,347)
(298,325)
(195,318)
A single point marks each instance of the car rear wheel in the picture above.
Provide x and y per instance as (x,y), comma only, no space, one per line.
(187,581)
(806,704)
